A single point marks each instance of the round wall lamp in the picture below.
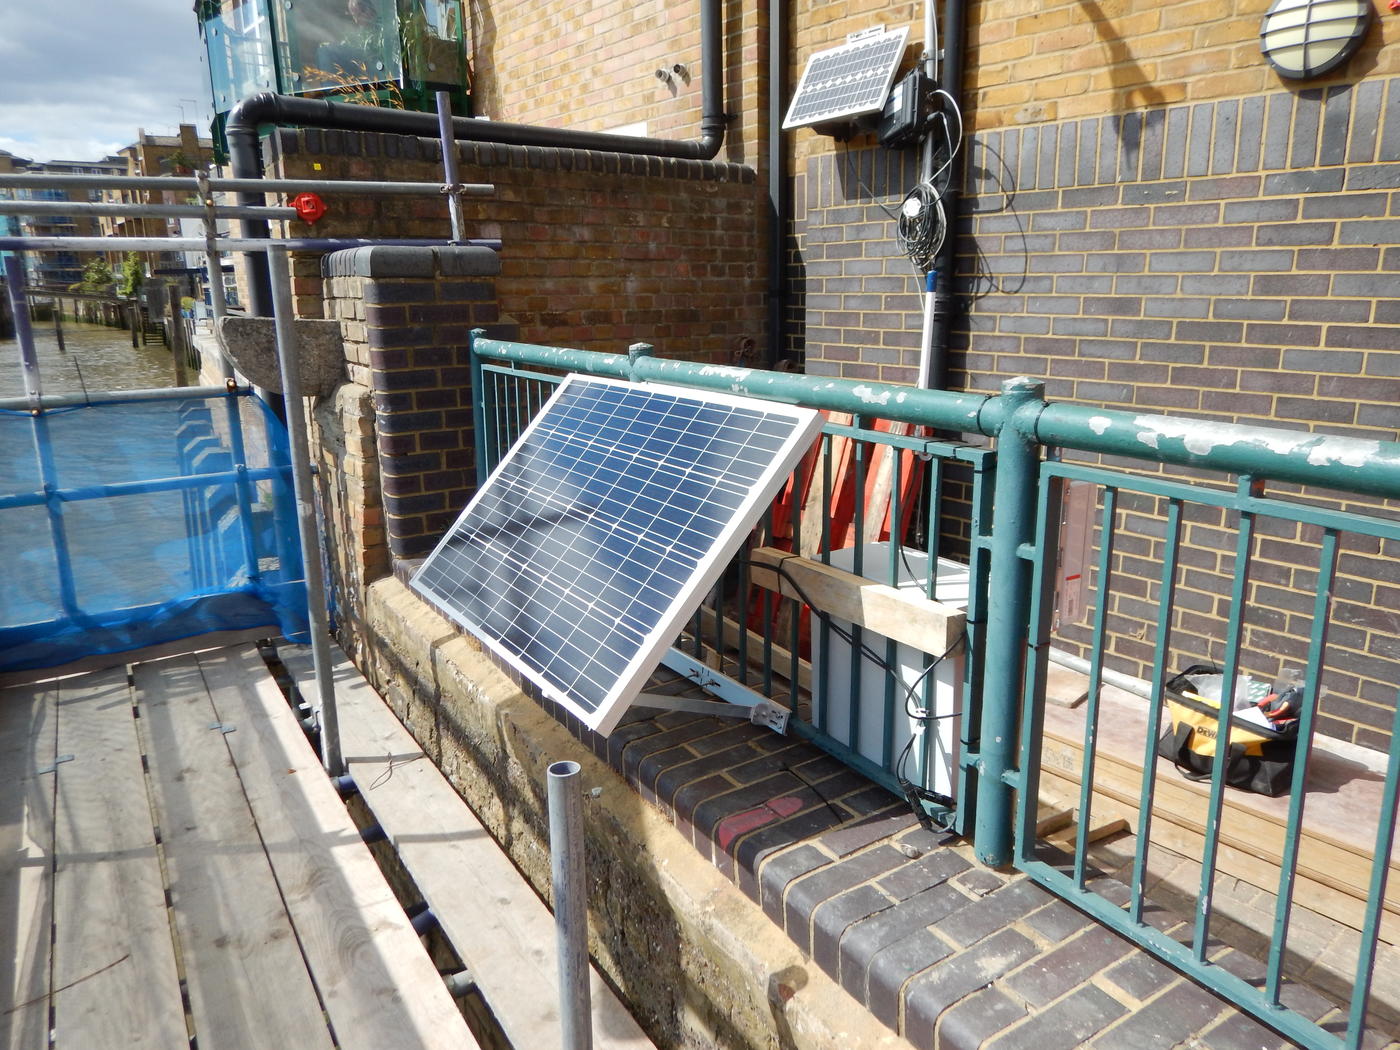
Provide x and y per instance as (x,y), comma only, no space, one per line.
(1306,38)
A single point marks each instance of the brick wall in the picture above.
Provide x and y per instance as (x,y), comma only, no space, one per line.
(1232,260)
(597,250)
(593,67)
(407,314)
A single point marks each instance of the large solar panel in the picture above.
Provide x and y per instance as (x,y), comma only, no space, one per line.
(847,81)
(582,555)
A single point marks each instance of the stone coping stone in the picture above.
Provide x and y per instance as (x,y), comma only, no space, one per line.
(411,260)
(251,343)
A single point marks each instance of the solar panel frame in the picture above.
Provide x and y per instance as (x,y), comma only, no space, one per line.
(597,565)
(847,81)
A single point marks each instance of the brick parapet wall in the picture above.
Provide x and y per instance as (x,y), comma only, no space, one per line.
(407,314)
(1230,260)
(598,250)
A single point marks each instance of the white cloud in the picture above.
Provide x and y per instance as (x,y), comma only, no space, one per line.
(78,81)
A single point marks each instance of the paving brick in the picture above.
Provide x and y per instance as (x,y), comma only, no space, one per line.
(983,917)
(1142,975)
(894,965)
(1239,1031)
(930,994)
(1071,1022)
(1073,963)
(1184,1008)
(832,918)
(754,849)
(851,837)
(807,893)
(777,872)
(1058,921)
(865,939)
(976,1019)
(927,871)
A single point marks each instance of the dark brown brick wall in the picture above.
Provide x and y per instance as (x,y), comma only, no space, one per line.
(598,250)
(1231,260)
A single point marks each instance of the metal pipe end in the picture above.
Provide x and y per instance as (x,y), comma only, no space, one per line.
(563,770)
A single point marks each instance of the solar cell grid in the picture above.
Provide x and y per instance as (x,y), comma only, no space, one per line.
(846,81)
(614,513)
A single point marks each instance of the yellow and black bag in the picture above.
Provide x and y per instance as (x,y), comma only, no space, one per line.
(1260,758)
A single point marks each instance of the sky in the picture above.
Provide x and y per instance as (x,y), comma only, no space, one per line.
(78,79)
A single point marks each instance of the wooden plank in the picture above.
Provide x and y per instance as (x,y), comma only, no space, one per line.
(901,615)
(27,745)
(1332,876)
(247,981)
(379,988)
(103,661)
(114,974)
(509,946)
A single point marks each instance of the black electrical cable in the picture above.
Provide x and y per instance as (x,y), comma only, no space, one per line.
(913,793)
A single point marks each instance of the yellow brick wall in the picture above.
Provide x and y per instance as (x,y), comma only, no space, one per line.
(593,67)
(1029,63)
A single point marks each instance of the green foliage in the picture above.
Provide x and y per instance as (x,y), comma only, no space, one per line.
(133,276)
(97,276)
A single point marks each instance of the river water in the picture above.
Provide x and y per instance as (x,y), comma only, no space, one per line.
(96,357)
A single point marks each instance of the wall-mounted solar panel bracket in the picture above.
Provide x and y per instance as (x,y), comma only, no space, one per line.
(843,84)
(584,553)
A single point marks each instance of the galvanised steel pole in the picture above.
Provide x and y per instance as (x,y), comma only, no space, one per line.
(1018,459)
(316,604)
(570,903)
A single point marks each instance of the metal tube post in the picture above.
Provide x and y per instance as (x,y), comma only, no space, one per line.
(449,162)
(306,511)
(24,333)
(1007,620)
(570,903)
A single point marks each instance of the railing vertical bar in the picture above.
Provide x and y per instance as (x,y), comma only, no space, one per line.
(795,634)
(1200,943)
(822,626)
(1166,599)
(861,450)
(478,396)
(1047,523)
(935,524)
(745,603)
(1375,898)
(894,686)
(1091,708)
(974,664)
(1312,691)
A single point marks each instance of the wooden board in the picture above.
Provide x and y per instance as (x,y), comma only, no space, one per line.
(114,974)
(503,932)
(380,989)
(901,615)
(27,745)
(248,984)
(1333,874)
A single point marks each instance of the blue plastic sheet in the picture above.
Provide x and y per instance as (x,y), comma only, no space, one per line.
(129,525)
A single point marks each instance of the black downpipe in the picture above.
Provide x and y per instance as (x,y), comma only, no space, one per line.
(944,298)
(777,191)
(268,108)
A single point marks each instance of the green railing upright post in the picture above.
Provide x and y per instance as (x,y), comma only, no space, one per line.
(1018,458)
(478,407)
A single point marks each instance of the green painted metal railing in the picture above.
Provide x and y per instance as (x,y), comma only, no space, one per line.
(1010,616)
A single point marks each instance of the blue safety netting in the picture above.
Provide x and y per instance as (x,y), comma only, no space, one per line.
(126,525)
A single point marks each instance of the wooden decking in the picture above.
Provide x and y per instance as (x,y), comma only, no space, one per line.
(175,866)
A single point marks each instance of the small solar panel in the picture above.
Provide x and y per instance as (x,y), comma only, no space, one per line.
(579,559)
(847,81)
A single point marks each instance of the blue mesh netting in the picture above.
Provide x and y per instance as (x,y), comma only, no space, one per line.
(126,552)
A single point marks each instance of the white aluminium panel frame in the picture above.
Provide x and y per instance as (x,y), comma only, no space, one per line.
(644,657)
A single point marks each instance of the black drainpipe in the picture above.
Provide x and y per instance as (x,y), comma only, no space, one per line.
(777,191)
(944,300)
(245,159)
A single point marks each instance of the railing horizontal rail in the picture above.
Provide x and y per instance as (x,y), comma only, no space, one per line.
(181,483)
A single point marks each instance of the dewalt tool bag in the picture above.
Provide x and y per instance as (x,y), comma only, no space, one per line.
(1260,758)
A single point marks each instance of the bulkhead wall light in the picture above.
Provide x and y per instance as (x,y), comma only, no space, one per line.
(1306,38)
